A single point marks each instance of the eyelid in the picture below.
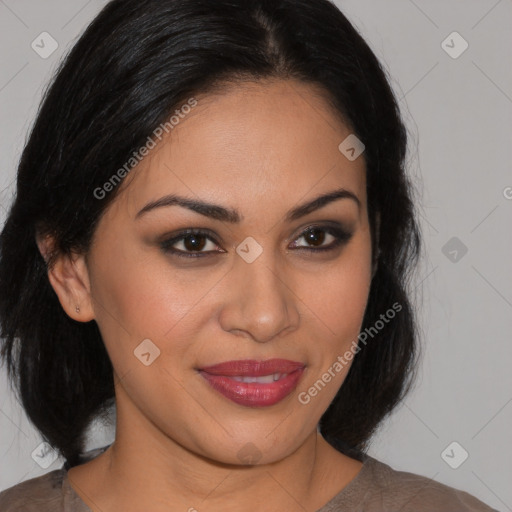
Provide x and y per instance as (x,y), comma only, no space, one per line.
(341,233)
(168,241)
(341,236)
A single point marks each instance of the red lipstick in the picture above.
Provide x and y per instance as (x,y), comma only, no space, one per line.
(254,383)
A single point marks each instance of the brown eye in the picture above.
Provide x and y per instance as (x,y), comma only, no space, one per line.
(316,236)
(194,242)
(190,244)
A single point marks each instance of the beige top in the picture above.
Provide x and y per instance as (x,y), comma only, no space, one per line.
(376,488)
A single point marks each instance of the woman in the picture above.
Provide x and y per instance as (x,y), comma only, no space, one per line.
(213,226)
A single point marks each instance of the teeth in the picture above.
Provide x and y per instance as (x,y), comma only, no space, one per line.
(264,379)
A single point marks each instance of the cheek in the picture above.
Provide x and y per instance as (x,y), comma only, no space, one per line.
(338,298)
(138,296)
(337,305)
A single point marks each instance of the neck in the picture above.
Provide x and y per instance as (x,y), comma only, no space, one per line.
(146,470)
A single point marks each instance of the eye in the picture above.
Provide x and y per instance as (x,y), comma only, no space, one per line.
(196,243)
(190,244)
(316,236)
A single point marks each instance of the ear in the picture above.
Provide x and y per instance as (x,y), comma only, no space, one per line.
(376,250)
(69,277)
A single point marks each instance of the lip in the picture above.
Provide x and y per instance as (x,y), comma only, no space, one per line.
(254,394)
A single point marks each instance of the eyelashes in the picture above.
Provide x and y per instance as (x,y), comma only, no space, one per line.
(201,243)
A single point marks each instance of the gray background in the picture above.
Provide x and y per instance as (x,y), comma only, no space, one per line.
(458,112)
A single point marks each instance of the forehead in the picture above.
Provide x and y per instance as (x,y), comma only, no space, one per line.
(263,143)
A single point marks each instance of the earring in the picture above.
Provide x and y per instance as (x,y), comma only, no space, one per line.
(77,309)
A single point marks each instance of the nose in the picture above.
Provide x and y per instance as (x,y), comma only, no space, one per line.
(261,303)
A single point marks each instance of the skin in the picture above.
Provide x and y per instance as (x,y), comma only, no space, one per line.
(261,148)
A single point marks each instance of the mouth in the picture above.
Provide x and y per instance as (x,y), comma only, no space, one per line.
(254,383)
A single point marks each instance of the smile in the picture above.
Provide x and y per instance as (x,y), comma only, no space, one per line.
(254,383)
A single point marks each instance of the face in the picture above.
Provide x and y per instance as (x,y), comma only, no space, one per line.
(250,281)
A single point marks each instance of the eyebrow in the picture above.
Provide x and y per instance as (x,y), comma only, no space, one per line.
(224,214)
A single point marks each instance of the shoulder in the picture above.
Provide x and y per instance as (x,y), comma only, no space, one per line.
(50,492)
(41,494)
(391,489)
